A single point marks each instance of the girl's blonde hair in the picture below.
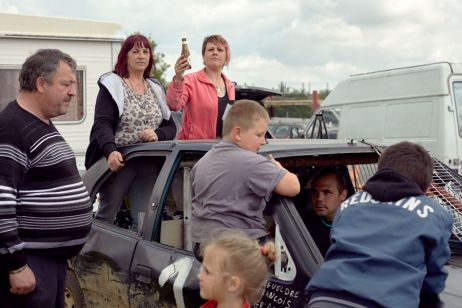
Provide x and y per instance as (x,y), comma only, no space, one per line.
(245,258)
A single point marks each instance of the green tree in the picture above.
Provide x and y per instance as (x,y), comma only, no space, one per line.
(304,112)
(283,87)
(295,111)
(160,66)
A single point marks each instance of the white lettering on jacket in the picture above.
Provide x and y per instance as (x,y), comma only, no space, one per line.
(412,204)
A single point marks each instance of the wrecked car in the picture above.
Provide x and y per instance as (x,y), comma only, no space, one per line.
(151,263)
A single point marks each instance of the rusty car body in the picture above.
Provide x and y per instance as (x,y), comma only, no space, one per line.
(151,263)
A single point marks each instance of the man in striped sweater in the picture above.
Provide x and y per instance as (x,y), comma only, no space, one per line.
(45,210)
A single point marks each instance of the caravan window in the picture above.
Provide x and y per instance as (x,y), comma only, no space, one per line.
(9,79)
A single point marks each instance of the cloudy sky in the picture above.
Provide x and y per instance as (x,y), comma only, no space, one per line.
(304,43)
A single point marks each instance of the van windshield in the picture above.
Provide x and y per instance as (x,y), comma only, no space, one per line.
(457,86)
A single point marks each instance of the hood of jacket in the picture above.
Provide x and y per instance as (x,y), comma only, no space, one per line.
(113,83)
(388,184)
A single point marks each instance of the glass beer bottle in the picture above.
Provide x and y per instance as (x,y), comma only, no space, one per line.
(185,51)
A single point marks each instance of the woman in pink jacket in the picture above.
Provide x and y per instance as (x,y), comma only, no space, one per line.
(202,95)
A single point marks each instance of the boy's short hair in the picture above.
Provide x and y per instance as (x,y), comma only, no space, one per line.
(244,113)
(410,160)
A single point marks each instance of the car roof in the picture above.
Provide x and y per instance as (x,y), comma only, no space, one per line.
(277,147)
(291,147)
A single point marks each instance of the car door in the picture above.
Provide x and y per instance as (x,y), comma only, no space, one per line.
(103,265)
(297,257)
(164,269)
(297,254)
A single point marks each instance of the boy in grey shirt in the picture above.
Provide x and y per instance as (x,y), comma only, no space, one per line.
(232,183)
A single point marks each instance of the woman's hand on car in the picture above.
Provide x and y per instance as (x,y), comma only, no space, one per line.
(115,161)
(148,135)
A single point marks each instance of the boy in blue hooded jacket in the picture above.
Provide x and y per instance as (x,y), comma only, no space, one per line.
(389,242)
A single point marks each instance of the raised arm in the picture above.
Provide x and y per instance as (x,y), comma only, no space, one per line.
(288,185)
(177,91)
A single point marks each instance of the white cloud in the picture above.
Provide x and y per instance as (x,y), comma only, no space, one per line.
(295,41)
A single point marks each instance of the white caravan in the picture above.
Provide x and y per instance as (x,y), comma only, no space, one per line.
(422,104)
(93,44)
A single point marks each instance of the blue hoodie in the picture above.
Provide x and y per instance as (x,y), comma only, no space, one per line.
(389,244)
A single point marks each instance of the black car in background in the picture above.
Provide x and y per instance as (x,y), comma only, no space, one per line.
(254,93)
(287,128)
(242,92)
(152,264)
(323,124)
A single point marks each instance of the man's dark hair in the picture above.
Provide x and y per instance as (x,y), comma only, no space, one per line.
(335,171)
(411,160)
(43,63)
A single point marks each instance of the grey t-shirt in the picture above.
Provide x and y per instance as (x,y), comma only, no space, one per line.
(230,189)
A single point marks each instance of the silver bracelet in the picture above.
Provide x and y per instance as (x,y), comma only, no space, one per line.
(19,270)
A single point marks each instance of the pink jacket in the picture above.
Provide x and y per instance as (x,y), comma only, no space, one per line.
(198,98)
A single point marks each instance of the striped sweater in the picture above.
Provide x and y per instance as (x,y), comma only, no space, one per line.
(44,206)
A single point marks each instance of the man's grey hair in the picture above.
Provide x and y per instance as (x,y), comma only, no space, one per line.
(43,63)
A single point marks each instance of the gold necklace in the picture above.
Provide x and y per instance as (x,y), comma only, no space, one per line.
(131,86)
(217,88)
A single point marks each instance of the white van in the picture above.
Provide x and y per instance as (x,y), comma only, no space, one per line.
(95,46)
(421,104)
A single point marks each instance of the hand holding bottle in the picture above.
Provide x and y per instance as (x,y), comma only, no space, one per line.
(181,65)
(185,50)
(183,62)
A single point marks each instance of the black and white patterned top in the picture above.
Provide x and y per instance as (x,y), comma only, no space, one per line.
(44,205)
(140,112)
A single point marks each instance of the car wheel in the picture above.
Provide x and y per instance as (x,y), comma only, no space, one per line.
(73,294)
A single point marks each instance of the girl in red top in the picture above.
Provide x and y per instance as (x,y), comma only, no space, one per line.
(234,270)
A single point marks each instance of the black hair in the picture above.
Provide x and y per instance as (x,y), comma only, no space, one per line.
(335,171)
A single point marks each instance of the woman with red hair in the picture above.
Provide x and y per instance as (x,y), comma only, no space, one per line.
(130,108)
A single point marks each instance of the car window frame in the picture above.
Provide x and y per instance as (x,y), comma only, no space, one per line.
(168,172)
